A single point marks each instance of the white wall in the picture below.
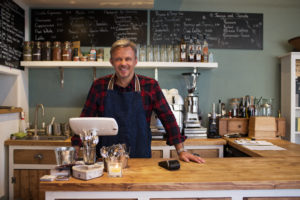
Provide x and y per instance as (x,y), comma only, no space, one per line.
(13,92)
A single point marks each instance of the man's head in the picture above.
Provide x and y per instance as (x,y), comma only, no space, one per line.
(123,43)
(123,58)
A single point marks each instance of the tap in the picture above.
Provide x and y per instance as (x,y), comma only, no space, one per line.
(36,117)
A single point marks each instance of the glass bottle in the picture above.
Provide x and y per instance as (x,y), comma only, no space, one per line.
(36,52)
(191,53)
(204,49)
(27,51)
(67,51)
(56,51)
(198,49)
(93,54)
(183,57)
(46,51)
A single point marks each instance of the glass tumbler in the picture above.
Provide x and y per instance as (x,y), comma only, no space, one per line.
(170,53)
(163,53)
(149,53)
(156,53)
(143,51)
(89,155)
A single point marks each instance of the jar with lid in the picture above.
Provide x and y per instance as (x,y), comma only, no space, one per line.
(27,51)
(46,51)
(56,51)
(36,51)
(67,51)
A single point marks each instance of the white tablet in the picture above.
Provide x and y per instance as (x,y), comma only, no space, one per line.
(102,125)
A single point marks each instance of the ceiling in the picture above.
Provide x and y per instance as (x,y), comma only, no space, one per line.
(96,4)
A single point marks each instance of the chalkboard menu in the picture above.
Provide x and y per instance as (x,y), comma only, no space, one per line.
(12,25)
(90,27)
(223,30)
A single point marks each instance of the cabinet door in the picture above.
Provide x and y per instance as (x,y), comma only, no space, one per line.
(157,154)
(204,153)
(27,183)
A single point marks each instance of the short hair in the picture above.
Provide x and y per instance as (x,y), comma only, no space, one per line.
(123,43)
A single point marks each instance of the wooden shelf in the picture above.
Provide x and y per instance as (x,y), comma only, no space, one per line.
(106,64)
(10,110)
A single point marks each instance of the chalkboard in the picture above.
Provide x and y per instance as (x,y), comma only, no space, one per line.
(223,30)
(90,27)
(12,26)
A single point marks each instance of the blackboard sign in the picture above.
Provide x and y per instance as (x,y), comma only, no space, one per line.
(12,25)
(223,30)
(90,27)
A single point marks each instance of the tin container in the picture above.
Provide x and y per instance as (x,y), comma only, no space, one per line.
(36,51)
(65,155)
(27,51)
(56,51)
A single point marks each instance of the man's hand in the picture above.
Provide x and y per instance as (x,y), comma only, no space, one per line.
(187,157)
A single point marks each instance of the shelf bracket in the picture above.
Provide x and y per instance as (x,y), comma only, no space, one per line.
(94,73)
(156,73)
(61,72)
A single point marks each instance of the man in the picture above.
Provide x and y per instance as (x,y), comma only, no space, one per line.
(129,99)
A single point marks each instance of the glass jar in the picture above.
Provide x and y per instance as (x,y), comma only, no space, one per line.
(67,51)
(36,51)
(56,51)
(46,51)
(27,51)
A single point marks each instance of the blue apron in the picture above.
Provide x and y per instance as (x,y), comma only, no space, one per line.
(128,110)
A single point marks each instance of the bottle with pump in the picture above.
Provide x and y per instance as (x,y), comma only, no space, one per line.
(198,49)
(183,57)
(204,50)
(22,126)
(212,124)
(191,50)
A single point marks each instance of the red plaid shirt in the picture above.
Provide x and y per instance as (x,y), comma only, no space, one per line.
(152,97)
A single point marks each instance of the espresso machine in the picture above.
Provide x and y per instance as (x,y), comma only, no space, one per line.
(192,125)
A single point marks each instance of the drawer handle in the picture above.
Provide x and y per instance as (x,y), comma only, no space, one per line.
(38,156)
(239,126)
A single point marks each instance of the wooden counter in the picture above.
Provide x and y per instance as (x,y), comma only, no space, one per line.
(244,177)
(291,148)
(61,143)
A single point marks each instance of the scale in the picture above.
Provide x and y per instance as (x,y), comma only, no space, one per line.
(89,128)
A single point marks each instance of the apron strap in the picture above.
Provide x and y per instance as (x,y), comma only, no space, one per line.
(112,82)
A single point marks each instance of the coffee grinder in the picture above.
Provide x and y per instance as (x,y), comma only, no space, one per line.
(192,125)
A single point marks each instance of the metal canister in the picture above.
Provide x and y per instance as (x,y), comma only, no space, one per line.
(36,51)
(56,51)
(27,51)
(46,51)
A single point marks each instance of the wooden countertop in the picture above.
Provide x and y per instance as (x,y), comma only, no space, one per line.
(291,148)
(241,173)
(188,142)
(193,142)
(66,142)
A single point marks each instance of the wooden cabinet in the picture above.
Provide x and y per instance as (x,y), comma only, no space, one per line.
(206,148)
(233,125)
(27,163)
(241,125)
(289,106)
(26,183)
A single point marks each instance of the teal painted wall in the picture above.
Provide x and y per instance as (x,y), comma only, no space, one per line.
(240,72)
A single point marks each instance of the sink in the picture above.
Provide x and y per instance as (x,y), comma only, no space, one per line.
(44,137)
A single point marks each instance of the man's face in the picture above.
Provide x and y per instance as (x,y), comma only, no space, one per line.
(124,60)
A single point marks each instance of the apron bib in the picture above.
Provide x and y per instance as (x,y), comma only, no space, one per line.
(128,110)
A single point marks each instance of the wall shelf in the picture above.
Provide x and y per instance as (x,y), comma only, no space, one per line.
(10,110)
(106,64)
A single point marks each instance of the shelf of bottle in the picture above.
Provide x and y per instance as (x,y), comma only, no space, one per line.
(106,64)
(7,110)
